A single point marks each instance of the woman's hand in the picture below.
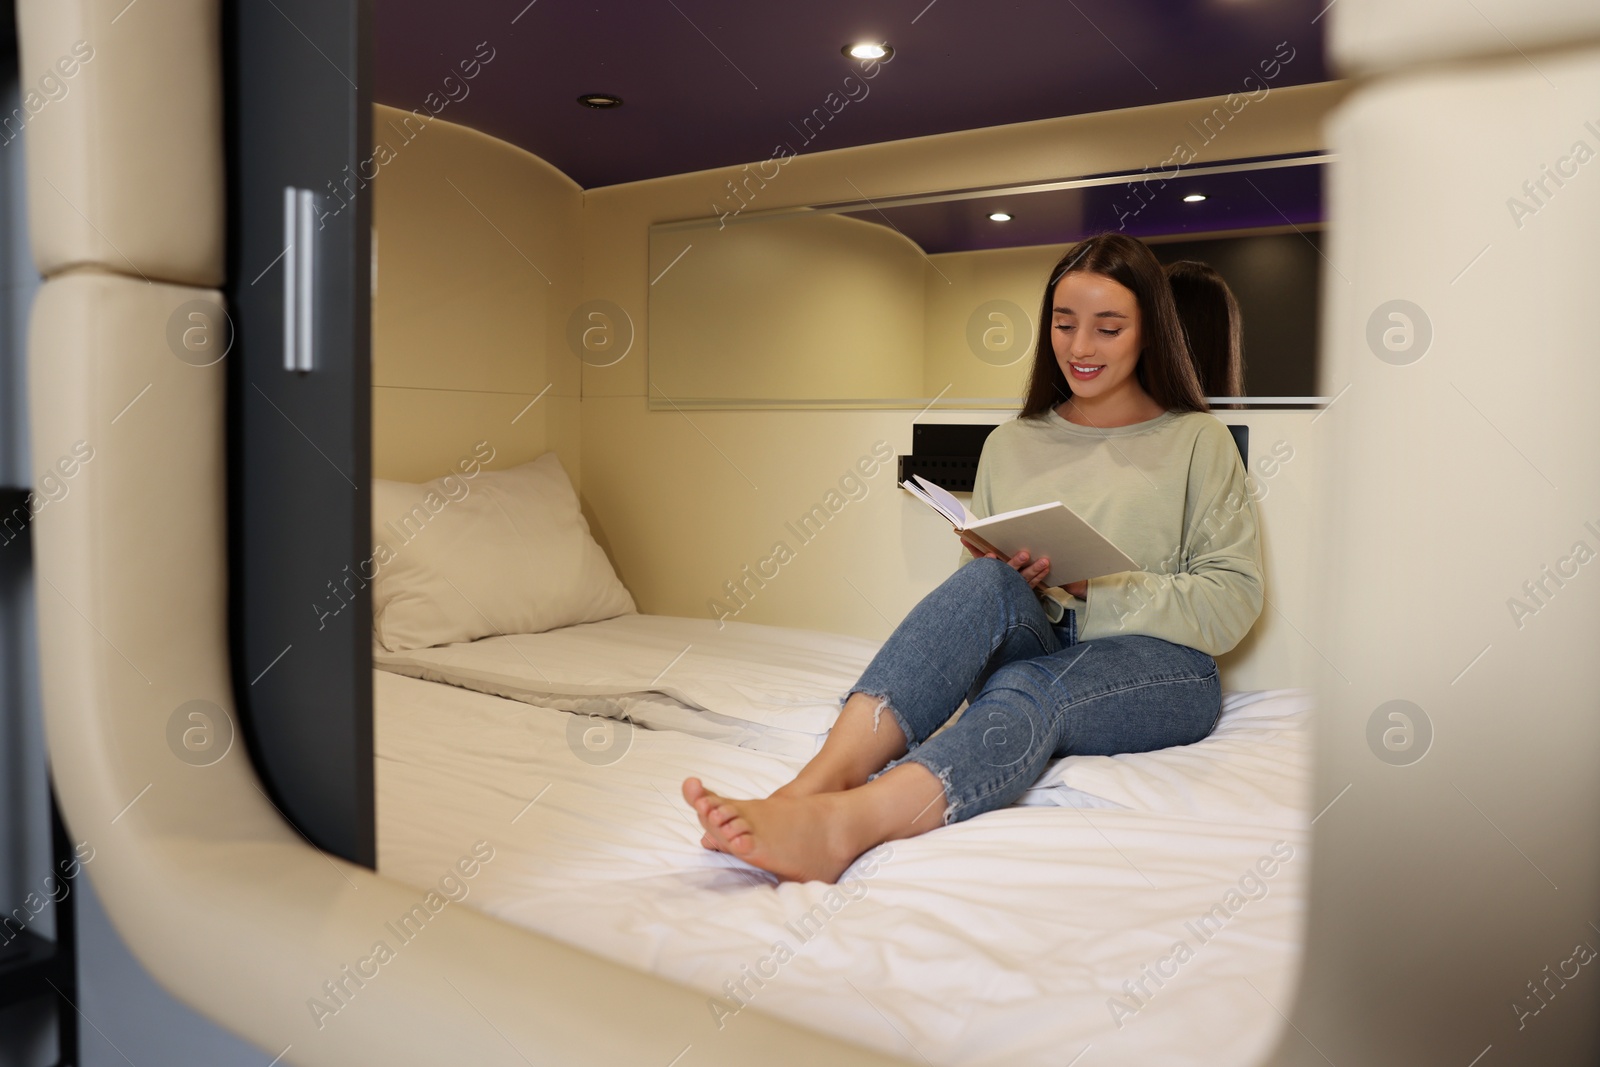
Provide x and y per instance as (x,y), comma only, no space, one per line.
(1032,572)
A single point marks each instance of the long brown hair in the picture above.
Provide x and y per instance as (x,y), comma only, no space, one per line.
(1164,370)
(1212,325)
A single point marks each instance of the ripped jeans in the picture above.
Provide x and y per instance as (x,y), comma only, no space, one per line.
(1033,690)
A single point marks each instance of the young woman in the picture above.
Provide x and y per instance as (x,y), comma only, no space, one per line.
(1115,426)
(1211,325)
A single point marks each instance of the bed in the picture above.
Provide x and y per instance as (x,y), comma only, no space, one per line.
(1130,909)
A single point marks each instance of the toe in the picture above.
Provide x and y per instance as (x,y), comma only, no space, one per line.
(705,802)
(693,789)
(719,840)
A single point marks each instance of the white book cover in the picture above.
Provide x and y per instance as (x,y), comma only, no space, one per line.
(1076,550)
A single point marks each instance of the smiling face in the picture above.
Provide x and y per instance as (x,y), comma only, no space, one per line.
(1095,331)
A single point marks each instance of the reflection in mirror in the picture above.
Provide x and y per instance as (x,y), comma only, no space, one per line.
(934,300)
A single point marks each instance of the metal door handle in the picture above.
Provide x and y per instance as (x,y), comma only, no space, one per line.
(299,278)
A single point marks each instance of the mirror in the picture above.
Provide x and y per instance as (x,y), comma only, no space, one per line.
(933,300)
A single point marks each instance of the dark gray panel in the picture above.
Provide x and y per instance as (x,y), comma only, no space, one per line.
(300,467)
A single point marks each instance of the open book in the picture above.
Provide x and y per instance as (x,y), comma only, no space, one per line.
(1075,549)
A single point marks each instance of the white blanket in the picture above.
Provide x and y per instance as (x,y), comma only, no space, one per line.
(1141,920)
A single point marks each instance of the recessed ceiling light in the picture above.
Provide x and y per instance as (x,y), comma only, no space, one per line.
(1194,198)
(1000,216)
(600,101)
(868,50)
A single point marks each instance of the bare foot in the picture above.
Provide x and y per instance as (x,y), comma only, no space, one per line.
(863,739)
(799,839)
(803,785)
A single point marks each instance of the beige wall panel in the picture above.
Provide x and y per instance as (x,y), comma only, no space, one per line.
(957,286)
(806,307)
(114,181)
(688,499)
(1461,460)
(419,434)
(1285,448)
(476,272)
(1367,36)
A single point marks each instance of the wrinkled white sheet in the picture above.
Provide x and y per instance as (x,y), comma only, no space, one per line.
(1022,936)
(765,687)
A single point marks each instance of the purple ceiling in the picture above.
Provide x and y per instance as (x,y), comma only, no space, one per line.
(710,83)
(1244,200)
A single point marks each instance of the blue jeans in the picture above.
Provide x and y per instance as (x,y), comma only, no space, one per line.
(1033,690)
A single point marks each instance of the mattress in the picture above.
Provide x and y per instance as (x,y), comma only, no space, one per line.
(1148,907)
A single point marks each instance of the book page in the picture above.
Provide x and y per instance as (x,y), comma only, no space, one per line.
(946,503)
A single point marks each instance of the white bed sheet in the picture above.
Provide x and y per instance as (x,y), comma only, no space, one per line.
(1007,938)
(764,687)
(776,689)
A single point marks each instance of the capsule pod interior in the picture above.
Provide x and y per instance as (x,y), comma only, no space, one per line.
(1425,554)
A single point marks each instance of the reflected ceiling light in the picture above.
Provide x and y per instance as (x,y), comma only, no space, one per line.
(1194,198)
(868,50)
(601,101)
(1000,216)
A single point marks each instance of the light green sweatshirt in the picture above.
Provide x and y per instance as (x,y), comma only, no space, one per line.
(1169,492)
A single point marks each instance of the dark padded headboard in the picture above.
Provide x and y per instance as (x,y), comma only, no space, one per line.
(947,453)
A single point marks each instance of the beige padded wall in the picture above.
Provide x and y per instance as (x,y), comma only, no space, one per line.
(123,119)
(812,306)
(957,282)
(476,269)
(1451,874)
(1367,36)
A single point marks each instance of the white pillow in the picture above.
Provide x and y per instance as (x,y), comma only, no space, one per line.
(473,555)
